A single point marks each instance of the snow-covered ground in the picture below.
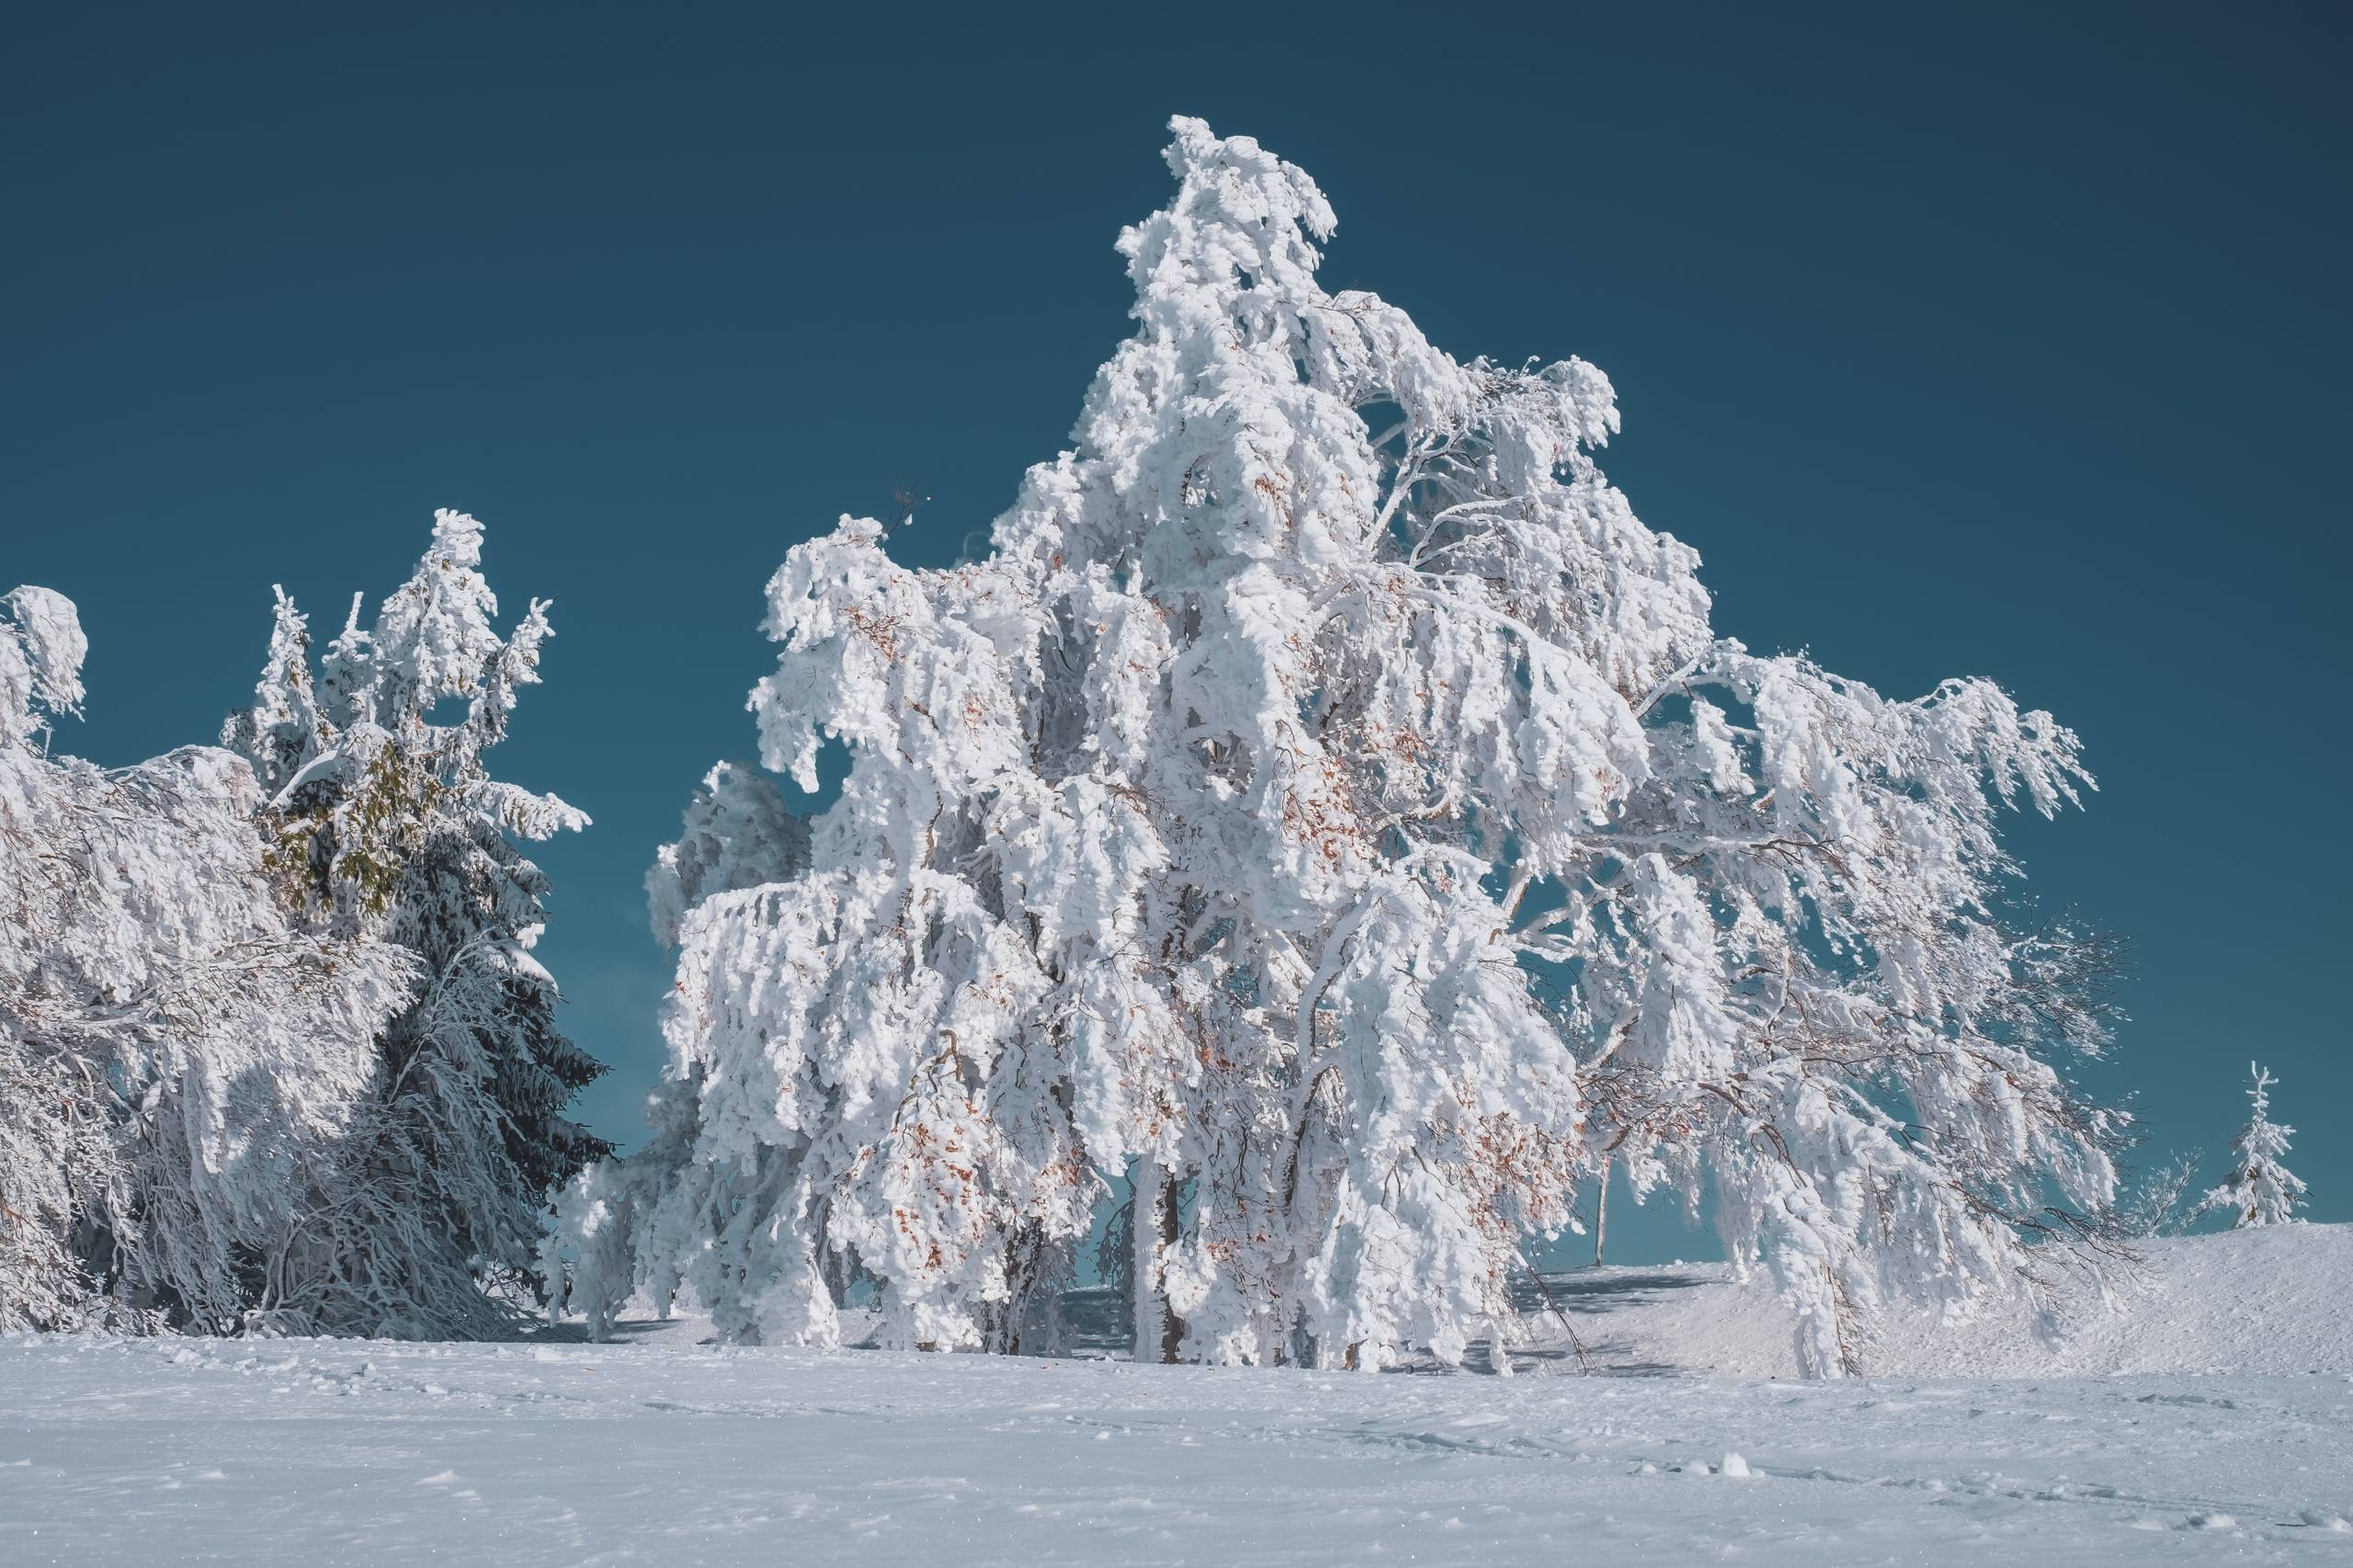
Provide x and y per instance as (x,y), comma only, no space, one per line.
(662,1450)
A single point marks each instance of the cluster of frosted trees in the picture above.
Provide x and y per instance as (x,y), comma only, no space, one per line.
(274,1052)
(1320,839)
(1324,830)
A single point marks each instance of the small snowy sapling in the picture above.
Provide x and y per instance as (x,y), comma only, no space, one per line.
(2258,1189)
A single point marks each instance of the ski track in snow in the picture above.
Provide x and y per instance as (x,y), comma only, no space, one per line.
(663,1450)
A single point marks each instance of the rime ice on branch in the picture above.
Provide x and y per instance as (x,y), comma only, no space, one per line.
(1327,815)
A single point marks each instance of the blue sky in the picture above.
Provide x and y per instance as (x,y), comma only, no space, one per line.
(1988,341)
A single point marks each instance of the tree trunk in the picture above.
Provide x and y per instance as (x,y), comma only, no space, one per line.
(1601,1214)
(1172,1327)
(1152,1225)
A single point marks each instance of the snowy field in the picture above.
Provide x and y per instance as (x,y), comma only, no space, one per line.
(662,1450)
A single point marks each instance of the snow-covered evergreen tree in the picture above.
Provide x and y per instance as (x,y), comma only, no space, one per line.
(1328,808)
(2259,1189)
(391,826)
(178,1056)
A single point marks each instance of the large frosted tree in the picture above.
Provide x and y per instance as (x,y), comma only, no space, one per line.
(1327,815)
(179,1052)
(382,812)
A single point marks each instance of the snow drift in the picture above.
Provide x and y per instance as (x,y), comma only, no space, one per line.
(2260,1301)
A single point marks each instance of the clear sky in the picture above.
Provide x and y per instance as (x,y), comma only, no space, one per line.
(1959,340)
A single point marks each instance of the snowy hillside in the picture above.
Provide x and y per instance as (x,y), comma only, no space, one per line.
(659,1449)
(2268,1301)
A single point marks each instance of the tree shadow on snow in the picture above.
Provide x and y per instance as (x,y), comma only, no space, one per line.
(1562,1316)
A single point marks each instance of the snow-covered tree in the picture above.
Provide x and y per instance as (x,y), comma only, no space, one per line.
(739,835)
(178,1055)
(390,825)
(2258,1189)
(1327,809)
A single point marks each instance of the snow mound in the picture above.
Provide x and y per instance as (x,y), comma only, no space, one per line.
(2257,1301)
